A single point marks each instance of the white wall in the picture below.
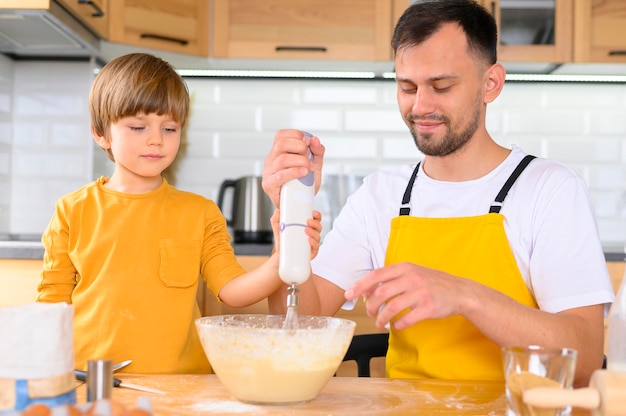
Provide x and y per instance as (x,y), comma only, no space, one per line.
(233,123)
(6,135)
(51,141)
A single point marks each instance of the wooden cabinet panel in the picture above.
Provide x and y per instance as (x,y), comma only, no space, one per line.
(600,31)
(92,13)
(559,51)
(304,29)
(181,26)
(18,281)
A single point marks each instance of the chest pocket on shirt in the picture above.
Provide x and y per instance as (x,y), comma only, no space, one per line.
(180,262)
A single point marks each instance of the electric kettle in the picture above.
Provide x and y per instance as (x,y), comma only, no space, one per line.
(250,212)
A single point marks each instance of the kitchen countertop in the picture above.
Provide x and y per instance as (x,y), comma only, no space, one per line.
(22,249)
(205,394)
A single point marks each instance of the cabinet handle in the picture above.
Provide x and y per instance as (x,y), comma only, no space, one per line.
(301,48)
(617,52)
(97,12)
(165,38)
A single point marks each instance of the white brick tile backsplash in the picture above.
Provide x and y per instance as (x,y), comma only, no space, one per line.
(401,149)
(613,230)
(5,162)
(269,92)
(607,204)
(607,177)
(315,120)
(233,122)
(567,150)
(607,122)
(243,146)
(199,143)
(223,118)
(345,148)
(6,132)
(30,105)
(374,120)
(529,96)
(583,96)
(5,99)
(68,134)
(524,120)
(30,134)
(334,93)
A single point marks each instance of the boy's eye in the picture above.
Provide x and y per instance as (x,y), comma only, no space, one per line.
(136,128)
(170,129)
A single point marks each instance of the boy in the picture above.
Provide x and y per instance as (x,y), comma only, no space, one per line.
(127,250)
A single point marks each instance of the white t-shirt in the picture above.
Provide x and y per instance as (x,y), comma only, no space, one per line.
(549,222)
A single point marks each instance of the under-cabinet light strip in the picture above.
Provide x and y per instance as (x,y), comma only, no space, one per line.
(223,73)
(276,74)
(566,78)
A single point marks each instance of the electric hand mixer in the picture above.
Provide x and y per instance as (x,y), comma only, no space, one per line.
(294,266)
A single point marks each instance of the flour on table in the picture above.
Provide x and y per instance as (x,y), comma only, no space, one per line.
(225,406)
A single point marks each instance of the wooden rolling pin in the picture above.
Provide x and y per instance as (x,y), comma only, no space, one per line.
(605,396)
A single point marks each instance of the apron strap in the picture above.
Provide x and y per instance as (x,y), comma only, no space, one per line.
(405,209)
(497,204)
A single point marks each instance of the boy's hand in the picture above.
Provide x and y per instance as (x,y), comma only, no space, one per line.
(313,231)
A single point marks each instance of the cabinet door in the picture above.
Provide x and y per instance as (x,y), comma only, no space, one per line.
(533,31)
(180,26)
(600,31)
(93,13)
(303,29)
(529,30)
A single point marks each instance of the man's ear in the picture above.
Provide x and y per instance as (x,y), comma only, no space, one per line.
(102,141)
(494,81)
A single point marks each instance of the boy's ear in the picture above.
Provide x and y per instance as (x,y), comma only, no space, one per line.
(101,140)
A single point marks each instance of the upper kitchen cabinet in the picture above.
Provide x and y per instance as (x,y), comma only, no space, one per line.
(92,13)
(533,30)
(180,26)
(358,30)
(600,31)
(529,30)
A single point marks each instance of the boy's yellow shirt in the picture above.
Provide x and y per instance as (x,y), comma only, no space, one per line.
(130,263)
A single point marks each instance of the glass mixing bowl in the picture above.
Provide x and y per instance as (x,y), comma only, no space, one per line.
(260,362)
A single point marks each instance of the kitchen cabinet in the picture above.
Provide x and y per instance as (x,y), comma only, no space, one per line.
(533,31)
(92,13)
(180,26)
(529,31)
(357,30)
(600,31)
(18,281)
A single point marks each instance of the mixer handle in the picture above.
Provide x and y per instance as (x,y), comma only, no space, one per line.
(228,183)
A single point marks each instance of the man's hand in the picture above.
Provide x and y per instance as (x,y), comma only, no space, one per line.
(288,159)
(421,292)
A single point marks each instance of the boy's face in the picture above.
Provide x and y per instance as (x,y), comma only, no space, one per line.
(143,145)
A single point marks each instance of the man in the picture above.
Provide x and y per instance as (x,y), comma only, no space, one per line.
(476,247)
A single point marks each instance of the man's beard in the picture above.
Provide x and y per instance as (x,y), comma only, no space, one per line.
(451,142)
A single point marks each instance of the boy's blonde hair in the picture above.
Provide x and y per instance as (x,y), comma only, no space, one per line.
(136,83)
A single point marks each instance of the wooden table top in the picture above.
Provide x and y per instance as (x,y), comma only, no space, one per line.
(205,395)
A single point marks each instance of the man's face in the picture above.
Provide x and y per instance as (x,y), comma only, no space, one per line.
(440,92)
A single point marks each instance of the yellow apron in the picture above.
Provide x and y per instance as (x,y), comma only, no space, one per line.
(472,247)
